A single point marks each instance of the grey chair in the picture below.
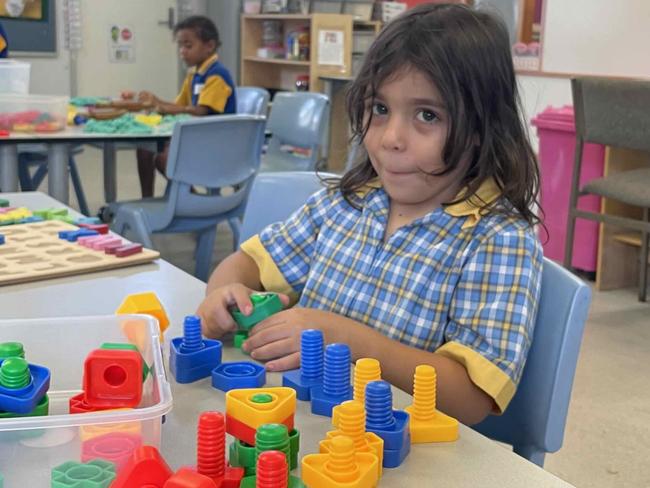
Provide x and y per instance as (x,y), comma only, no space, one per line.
(615,113)
(252,100)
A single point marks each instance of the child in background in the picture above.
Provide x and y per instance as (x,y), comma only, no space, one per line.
(4,45)
(208,89)
(425,252)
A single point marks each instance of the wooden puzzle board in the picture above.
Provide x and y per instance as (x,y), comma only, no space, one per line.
(34,252)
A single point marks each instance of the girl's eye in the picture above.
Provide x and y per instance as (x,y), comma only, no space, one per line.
(426,116)
(379,109)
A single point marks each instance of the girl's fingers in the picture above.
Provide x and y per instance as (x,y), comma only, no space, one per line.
(292,361)
(265,336)
(272,350)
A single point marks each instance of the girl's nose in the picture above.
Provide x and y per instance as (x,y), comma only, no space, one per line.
(394,136)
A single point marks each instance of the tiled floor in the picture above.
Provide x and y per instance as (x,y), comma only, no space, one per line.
(607,440)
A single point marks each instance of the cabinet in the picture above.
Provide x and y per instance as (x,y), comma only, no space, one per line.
(330,50)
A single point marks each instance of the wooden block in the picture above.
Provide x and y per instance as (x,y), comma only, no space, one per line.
(128,250)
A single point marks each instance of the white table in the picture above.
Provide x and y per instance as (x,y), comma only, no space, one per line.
(472,461)
(58,144)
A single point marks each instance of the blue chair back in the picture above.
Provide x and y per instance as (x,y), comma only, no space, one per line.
(252,100)
(300,120)
(274,196)
(534,421)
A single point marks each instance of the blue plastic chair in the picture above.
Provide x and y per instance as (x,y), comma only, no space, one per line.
(274,196)
(30,155)
(219,153)
(534,421)
(299,120)
(252,100)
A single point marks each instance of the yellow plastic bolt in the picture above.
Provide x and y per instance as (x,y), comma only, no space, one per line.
(341,465)
(365,371)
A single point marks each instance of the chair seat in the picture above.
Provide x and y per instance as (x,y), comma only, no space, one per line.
(285,162)
(631,187)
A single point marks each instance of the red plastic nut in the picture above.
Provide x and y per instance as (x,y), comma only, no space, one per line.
(113,378)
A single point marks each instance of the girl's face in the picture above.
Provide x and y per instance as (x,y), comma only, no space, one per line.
(193,51)
(405,140)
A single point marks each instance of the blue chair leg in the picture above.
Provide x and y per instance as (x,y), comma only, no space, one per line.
(533,454)
(135,222)
(203,253)
(235,226)
(24,176)
(78,189)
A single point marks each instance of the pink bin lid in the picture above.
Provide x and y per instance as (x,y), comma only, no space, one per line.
(555,118)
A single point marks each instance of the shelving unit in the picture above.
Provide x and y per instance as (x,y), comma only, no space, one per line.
(280,74)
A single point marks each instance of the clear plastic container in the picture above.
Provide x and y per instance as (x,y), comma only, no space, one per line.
(31,446)
(33,113)
(14,77)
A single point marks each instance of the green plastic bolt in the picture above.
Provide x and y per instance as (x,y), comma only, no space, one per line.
(261,398)
(11,350)
(14,373)
(272,437)
(264,305)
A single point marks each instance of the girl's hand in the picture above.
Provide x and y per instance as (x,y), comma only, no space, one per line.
(147,98)
(214,310)
(277,339)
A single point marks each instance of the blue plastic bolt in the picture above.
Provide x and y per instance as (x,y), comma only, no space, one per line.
(192,338)
(379,406)
(311,353)
(336,379)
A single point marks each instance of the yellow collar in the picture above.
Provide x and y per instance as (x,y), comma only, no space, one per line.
(206,64)
(487,193)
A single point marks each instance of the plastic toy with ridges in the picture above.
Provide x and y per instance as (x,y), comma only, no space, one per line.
(365,371)
(11,350)
(341,467)
(243,455)
(117,447)
(272,437)
(113,378)
(271,472)
(97,473)
(352,424)
(187,478)
(264,305)
(88,431)
(129,347)
(336,386)
(145,468)
(240,374)
(145,303)
(427,423)
(247,409)
(192,357)
(42,409)
(391,425)
(310,373)
(211,451)
(77,404)
(239,338)
(22,385)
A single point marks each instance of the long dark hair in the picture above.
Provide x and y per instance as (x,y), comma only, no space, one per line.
(466,54)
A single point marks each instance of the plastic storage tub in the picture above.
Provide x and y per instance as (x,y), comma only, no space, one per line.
(33,113)
(14,77)
(557,141)
(31,446)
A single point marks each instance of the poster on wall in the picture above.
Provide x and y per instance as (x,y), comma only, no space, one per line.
(330,47)
(23,9)
(121,44)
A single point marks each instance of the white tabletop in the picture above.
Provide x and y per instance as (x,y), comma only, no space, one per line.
(77,134)
(472,461)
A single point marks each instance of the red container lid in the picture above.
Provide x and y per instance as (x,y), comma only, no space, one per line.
(556,119)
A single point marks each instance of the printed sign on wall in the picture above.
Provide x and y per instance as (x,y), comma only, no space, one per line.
(121,44)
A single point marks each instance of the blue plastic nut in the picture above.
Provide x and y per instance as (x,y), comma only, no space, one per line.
(393,458)
(2,239)
(336,387)
(310,373)
(241,374)
(191,357)
(25,400)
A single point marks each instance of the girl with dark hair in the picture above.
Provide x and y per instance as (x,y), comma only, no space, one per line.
(424,252)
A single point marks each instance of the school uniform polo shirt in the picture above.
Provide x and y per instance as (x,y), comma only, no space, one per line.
(456,282)
(209,85)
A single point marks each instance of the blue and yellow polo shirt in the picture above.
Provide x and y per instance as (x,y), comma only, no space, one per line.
(454,282)
(4,50)
(210,85)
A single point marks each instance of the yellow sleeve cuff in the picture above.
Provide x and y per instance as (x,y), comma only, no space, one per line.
(270,276)
(215,93)
(483,373)
(3,43)
(183,98)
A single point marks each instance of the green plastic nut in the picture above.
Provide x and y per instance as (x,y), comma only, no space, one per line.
(264,305)
(93,474)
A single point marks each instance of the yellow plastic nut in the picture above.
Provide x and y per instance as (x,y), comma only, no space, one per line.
(340,467)
(427,424)
(240,406)
(148,304)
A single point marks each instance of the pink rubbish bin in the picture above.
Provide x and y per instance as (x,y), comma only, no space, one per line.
(557,140)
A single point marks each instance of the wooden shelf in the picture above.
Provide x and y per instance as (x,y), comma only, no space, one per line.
(276,17)
(288,62)
(629,238)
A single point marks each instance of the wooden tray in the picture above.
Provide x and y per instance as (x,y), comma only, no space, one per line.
(34,252)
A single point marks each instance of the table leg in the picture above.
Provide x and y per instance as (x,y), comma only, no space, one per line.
(110,172)
(8,167)
(57,179)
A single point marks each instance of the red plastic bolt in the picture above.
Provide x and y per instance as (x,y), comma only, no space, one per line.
(211,445)
(272,470)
